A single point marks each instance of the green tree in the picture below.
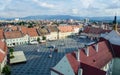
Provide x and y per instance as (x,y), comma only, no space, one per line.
(11,53)
(38,39)
(80,31)
(43,38)
(6,70)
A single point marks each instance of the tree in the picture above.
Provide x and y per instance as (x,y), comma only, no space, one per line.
(6,70)
(43,38)
(80,31)
(38,39)
(11,53)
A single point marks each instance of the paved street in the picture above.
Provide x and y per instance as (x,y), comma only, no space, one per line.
(39,63)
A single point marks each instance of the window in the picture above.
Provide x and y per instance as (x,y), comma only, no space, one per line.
(94,60)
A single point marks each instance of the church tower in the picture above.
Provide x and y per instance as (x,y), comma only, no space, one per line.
(115,23)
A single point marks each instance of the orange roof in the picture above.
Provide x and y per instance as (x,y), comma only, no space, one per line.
(65,28)
(32,32)
(1,34)
(13,34)
(14,28)
(23,29)
(93,30)
(76,26)
(3,51)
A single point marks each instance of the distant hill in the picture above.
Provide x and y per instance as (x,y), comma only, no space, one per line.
(63,17)
(51,17)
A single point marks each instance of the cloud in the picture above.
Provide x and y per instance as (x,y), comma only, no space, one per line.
(44,4)
(115,4)
(4,4)
(51,7)
(75,11)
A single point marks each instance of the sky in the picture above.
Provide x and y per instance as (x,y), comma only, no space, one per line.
(87,8)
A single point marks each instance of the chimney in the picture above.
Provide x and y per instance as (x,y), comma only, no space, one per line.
(87,50)
(78,55)
(96,47)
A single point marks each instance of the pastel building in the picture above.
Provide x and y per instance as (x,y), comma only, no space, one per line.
(13,38)
(53,32)
(65,31)
(32,33)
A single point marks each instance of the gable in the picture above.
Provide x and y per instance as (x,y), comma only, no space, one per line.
(64,67)
(97,59)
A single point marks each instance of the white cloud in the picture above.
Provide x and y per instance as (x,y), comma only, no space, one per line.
(4,3)
(75,11)
(44,4)
(86,3)
(68,7)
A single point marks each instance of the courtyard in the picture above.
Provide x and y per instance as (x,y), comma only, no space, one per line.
(38,62)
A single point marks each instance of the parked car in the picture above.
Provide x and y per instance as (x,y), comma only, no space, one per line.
(51,46)
(33,42)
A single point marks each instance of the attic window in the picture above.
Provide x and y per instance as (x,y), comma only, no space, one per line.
(94,60)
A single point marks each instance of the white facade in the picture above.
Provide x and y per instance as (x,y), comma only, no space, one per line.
(32,38)
(76,30)
(53,36)
(63,67)
(63,35)
(17,41)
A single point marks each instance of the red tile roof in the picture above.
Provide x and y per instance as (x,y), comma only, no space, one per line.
(74,63)
(76,26)
(32,32)
(1,34)
(3,47)
(23,29)
(2,56)
(65,28)
(92,30)
(14,28)
(94,62)
(97,59)
(13,34)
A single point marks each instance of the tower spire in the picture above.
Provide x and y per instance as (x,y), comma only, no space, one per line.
(115,23)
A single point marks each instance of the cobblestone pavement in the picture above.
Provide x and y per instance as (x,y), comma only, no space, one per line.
(39,63)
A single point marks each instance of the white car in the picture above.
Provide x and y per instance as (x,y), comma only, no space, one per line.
(33,42)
